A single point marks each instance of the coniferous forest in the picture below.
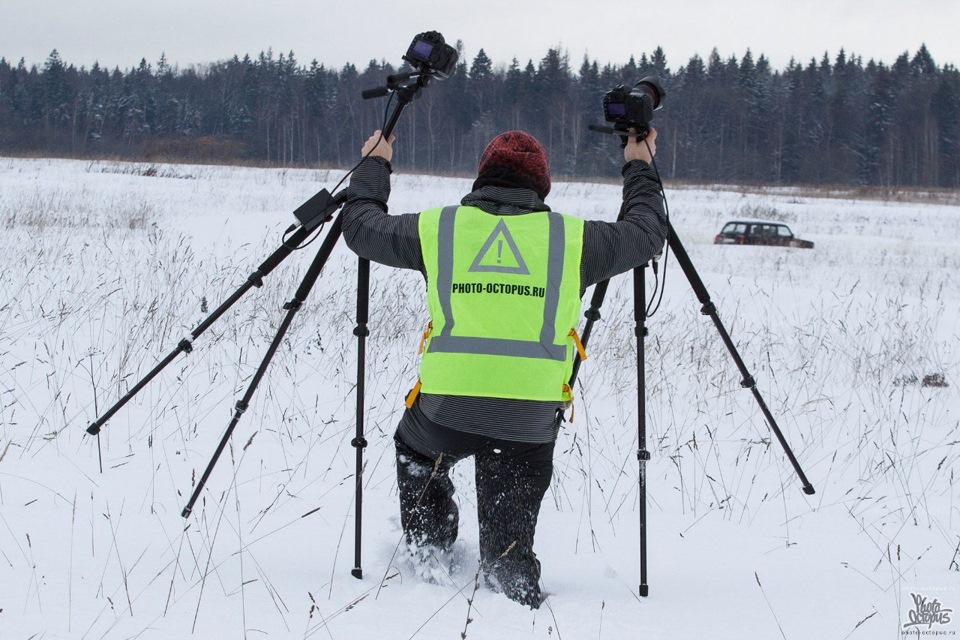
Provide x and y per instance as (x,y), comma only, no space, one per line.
(833,121)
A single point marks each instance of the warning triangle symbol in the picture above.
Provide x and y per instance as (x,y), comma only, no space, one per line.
(500,254)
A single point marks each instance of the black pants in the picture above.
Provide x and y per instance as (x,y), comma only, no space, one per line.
(512,478)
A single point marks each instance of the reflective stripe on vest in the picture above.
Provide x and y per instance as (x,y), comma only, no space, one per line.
(474,353)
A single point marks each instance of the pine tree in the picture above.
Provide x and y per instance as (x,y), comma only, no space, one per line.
(57,99)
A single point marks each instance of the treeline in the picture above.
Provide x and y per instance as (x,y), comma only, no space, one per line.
(832,121)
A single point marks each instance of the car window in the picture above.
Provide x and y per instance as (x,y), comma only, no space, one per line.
(734,227)
(784,231)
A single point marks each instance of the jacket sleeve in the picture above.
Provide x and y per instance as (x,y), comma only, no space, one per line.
(611,248)
(367,227)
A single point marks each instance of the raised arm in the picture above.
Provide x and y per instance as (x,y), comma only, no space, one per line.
(610,248)
(367,227)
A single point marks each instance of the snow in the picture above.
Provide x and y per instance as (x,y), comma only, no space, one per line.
(107,266)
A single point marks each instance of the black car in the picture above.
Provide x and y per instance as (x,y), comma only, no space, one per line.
(762,232)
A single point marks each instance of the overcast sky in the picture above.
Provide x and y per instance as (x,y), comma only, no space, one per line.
(121,32)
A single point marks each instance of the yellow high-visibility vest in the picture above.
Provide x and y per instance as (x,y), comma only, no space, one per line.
(503,294)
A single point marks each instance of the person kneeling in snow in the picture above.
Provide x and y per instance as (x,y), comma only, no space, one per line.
(505,276)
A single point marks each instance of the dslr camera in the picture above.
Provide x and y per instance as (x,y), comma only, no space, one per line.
(633,108)
(430,54)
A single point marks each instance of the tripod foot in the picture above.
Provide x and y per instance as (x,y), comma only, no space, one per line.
(357,573)
(809,490)
(644,590)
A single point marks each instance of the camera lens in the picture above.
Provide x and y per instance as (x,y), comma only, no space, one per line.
(651,86)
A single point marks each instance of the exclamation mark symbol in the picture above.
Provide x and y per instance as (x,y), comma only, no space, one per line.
(499,251)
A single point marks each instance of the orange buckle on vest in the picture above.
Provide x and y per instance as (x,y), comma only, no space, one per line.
(576,341)
(412,396)
(423,340)
(568,402)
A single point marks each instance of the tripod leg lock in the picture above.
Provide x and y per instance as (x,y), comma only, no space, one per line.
(748,382)
(643,455)
(641,332)
(240,407)
(256,278)
(185,345)
(293,304)
(359,442)
(708,309)
(592,314)
(361,331)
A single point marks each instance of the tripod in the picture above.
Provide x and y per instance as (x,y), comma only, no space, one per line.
(640,331)
(311,214)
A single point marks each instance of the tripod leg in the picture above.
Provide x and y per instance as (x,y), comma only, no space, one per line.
(709,309)
(359,442)
(643,456)
(292,307)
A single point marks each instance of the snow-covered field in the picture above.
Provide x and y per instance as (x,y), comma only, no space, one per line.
(107,266)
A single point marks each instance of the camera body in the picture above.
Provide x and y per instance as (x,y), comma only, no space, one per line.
(633,108)
(429,53)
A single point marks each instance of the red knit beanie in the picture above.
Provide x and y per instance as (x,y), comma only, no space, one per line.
(515,158)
